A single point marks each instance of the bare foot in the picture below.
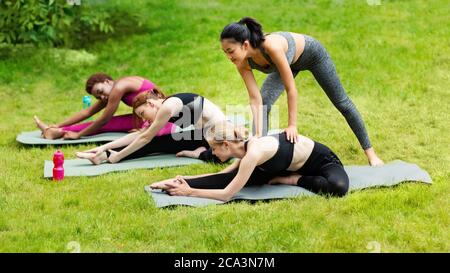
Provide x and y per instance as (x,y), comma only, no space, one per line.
(48,132)
(287,180)
(193,154)
(42,126)
(91,156)
(374,160)
(53,133)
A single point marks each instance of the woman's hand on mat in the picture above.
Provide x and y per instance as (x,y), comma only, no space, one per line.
(162,185)
(179,187)
(291,133)
(113,157)
(373,158)
(71,135)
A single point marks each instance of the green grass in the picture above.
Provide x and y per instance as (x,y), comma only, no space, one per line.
(393,60)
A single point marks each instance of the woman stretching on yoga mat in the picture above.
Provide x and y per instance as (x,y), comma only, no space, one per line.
(182,109)
(109,94)
(283,55)
(269,159)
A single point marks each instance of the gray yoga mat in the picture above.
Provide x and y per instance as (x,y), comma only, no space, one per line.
(35,138)
(361,177)
(83,167)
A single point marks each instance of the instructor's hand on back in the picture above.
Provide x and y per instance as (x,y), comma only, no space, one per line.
(291,133)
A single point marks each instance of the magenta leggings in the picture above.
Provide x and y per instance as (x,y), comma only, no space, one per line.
(122,123)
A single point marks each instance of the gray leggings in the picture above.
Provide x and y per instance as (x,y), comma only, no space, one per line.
(316,59)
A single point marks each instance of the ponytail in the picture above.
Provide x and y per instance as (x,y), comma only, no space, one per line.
(246,29)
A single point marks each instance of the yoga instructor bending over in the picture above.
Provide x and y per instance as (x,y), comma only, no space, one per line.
(269,159)
(283,55)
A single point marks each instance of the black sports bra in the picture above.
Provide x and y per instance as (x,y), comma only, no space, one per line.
(282,158)
(191,111)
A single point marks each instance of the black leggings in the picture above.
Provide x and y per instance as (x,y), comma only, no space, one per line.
(221,180)
(322,173)
(174,143)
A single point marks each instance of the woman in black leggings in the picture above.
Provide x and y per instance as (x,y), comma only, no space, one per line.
(183,110)
(265,160)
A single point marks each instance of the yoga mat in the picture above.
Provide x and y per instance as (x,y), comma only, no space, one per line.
(83,167)
(361,177)
(34,137)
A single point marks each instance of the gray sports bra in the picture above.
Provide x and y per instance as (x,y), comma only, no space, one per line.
(290,53)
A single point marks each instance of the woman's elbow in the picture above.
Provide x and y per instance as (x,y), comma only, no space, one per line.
(255,100)
(144,139)
(102,121)
(226,196)
(225,199)
(292,91)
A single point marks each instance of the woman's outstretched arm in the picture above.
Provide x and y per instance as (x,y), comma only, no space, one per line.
(121,142)
(233,166)
(83,114)
(246,167)
(115,96)
(162,117)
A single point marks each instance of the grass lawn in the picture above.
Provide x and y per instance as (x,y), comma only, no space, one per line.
(393,60)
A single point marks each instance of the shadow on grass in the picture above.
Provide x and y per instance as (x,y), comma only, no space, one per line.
(235,201)
(124,23)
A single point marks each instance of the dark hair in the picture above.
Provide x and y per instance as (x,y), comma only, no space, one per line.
(94,79)
(141,99)
(246,29)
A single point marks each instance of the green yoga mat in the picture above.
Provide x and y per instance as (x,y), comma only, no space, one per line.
(361,177)
(83,167)
(35,138)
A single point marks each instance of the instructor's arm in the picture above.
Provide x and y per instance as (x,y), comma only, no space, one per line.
(254,97)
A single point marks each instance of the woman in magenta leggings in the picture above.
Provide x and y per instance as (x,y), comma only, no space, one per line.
(109,94)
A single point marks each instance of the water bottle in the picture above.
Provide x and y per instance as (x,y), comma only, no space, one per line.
(87,103)
(58,165)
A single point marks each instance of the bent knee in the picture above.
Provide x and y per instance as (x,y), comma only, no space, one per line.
(341,188)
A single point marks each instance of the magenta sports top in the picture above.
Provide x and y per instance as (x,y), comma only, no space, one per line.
(129,97)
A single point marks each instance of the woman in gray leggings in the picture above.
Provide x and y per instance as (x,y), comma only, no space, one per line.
(282,55)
